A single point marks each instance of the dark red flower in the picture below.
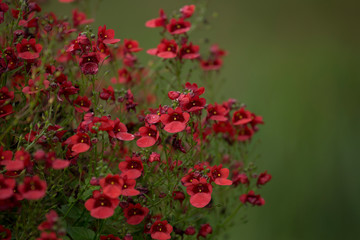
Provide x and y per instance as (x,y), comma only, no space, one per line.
(178,26)
(166,49)
(100,205)
(187,11)
(252,199)
(5,95)
(175,120)
(161,230)
(205,230)
(5,155)
(3,9)
(240,178)
(35,86)
(189,51)
(255,121)
(157,22)
(33,188)
(194,88)
(132,167)
(245,133)
(109,237)
(216,51)
(54,162)
(48,236)
(188,179)
(149,136)
(241,117)
(131,46)
(67,89)
(51,218)
(108,93)
(154,157)
(79,142)
(21,161)
(200,192)
(106,35)
(211,64)
(128,189)
(89,63)
(190,230)
(79,18)
(7,186)
(112,185)
(82,104)
(192,104)
(119,131)
(263,178)
(134,214)
(219,175)
(217,112)
(28,49)
(5,233)
(178,195)
(103,123)
(124,76)
(6,110)
(128,237)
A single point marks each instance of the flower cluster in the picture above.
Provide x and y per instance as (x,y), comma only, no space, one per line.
(106,147)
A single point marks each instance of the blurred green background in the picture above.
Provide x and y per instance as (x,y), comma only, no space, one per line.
(296,63)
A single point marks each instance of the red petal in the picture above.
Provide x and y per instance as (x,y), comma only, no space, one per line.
(125,136)
(102,212)
(60,164)
(175,127)
(200,200)
(145,142)
(80,147)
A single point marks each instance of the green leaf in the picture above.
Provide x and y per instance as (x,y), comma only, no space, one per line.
(81,233)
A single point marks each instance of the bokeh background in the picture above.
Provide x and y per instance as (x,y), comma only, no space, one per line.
(296,63)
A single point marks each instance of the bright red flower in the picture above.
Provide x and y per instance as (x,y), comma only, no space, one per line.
(149,136)
(106,35)
(109,237)
(119,131)
(252,199)
(5,155)
(178,26)
(157,22)
(7,186)
(54,162)
(175,120)
(128,189)
(131,46)
(205,230)
(33,188)
(134,214)
(21,161)
(5,95)
(263,178)
(132,167)
(6,110)
(154,157)
(188,179)
(5,233)
(219,175)
(112,185)
(79,18)
(217,112)
(200,192)
(81,45)
(166,49)
(79,142)
(161,230)
(82,104)
(28,49)
(187,11)
(103,123)
(36,86)
(192,104)
(189,51)
(241,117)
(89,63)
(100,205)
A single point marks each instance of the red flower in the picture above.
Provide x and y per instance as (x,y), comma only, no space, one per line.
(36,86)
(56,163)
(33,188)
(79,18)
(89,63)
(5,233)
(7,186)
(100,205)
(6,110)
(28,49)
(263,178)
(255,121)
(149,136)
(109,237)
(66,1)
(120,131)
(166,49)
(48,236)
(211,64)
(3,9)
(5,155)
(217,112)
(108,93)
(178,26)
(106,36)
(200,192)
(190,230)
(178,195)
(131,46)
(241,117)
(189,51)
(192,104)
(187,11)
(134,214)
(5,95)
(240,178)
(124,77)
(132,167)
(21,161)
(195,89)
(157,22)
(79,142)
(82,104)
(219,175)
(175,120)
(216,51)
(104,124)
(112,185)
(161,230)
(128,189)
(252,199)
(245,133)
(205,230)
(154,157)
(51,219)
